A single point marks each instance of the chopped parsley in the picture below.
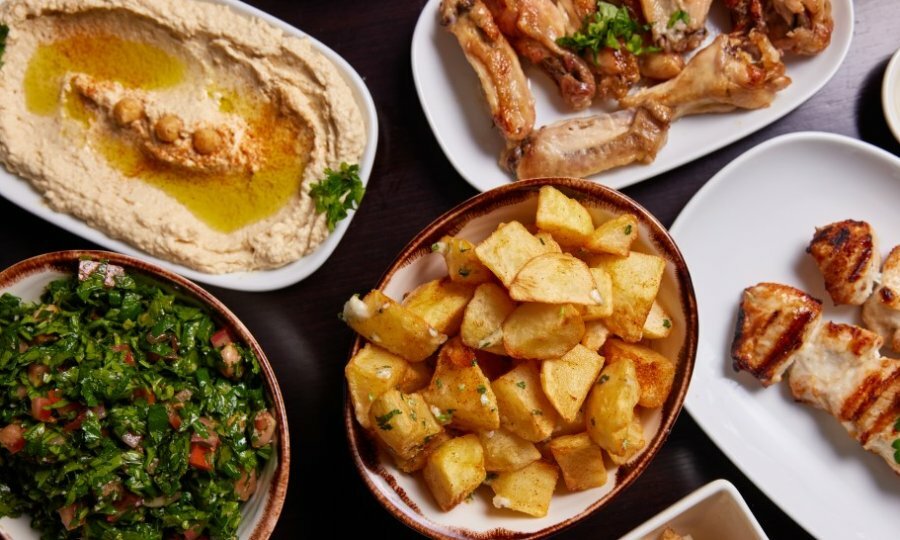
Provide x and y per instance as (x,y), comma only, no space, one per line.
(521,384)
(461,387)
(603,378)
(474,362)
(627,230)
(439,383)
(680,15)
(445,417)
(384,421)
(482,389)
(609,27)
(464,272)
(667,323)
(537,412)
(337,193)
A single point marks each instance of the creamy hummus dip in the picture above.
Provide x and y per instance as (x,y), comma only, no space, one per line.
(181,127)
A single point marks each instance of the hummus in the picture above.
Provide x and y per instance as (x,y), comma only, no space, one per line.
(181,127)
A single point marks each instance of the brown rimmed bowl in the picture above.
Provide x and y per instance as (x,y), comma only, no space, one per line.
(29,278)
(406,496)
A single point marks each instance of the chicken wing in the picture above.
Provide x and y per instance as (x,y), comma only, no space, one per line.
(677,25)
(584,146)
(493,59)
(734,71)
(774,321)
(881,312)
(747,15)
(800,26)
(532,27)
(847,254)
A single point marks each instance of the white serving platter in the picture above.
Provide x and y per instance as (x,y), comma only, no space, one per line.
(752,223)
(19,191)
(452,100)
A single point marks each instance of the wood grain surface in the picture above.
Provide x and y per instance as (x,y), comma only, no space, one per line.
(412,183)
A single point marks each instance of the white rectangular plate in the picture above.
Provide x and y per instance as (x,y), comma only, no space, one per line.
(20,192)
(456,110)
(752,223)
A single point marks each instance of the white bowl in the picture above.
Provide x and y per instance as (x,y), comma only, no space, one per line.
(890,94)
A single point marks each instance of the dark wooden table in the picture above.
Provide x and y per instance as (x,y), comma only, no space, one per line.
(412,183)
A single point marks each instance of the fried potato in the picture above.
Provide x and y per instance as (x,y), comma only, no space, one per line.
(580,460)
(609,409)
(633,443)
(482,324)
(542,331)
(567,380)
(524,409)
(441,303)
(566,219)
(459,391)
(463,265)
(635,283)
(417,377)
(555,278)
(615,236)
(392,326)
(604,287)
(527,490)
(658,324)
(595,334)
(507,250)
(371,372)
(655,372)
(506,451)
(454,470)
(417,462)
(403,422)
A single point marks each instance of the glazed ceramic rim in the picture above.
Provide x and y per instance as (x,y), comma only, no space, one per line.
(890,94)
(451,222)
(66,261)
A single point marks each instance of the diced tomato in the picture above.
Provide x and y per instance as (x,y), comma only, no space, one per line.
(12,438)
(212,438)
(174,418)
(128,502)
(40,410)
(146,394)
(201,457)
(76,423)
(194,534)
(124,347)
(221,338)
(67,516)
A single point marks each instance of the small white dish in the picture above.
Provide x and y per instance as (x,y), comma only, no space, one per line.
(752,223)
(716,510)
(452,100)
(890,94)
(19,191)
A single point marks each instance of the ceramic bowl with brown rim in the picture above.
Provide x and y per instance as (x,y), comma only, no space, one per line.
(28,280)
(405,495)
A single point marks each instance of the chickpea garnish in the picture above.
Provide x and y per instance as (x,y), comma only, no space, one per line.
(168,128)
(207,141)
(127,110)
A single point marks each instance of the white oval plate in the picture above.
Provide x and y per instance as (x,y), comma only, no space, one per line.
(452,100)
(19,191)
(752,223)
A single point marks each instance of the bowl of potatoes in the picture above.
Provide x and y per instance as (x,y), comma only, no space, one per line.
(521,361)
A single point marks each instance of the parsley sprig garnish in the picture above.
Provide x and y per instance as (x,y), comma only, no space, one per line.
(680,15)
(384,421)
(337,193)
(610,26)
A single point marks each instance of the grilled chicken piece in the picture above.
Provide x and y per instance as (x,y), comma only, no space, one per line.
(774,321)
(677,25)
(496,64)
(532,27)
(841,371)
(661,66)
(585,146)
(800,26)
(881,312)
(847,255)
(734,71)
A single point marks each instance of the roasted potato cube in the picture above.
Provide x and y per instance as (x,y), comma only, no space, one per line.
(417,463)
(548,240)
(555,278)
(463,265)
(507,250)
(603,286)
(595,334)
(417,377)
(403,422)
(505,451)
(482,325)
(566,219)
(580,460)
(633,444)
(635,281)
(658,324)
(609,409)
(392,326)
(441,303)
(527,490)
(454,470)
(524,409)
(568,379)
(615,236)
(371,372)
(459,391)
(655,372)
(542,330)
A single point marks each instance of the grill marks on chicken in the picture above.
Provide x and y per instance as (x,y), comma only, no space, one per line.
(847,255)
(496,64)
